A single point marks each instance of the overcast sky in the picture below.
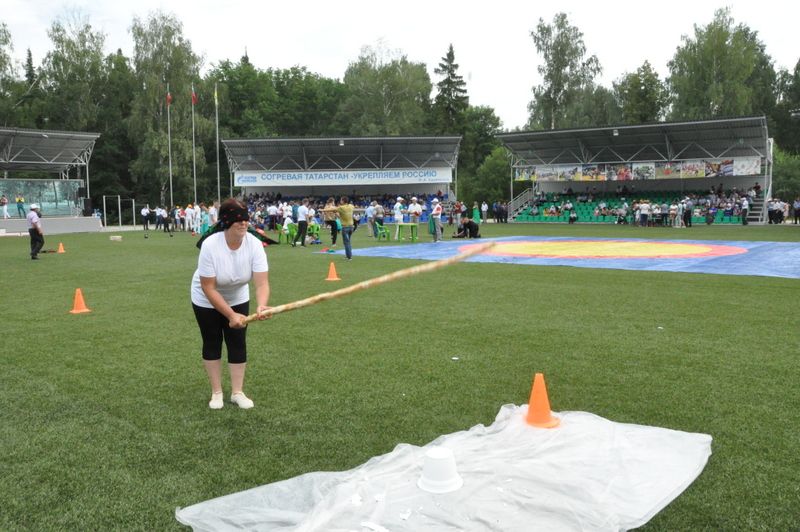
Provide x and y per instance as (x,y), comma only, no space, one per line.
(491,40)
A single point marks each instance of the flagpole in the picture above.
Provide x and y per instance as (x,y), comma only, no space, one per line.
(169,146)
(194,156)
(216,113)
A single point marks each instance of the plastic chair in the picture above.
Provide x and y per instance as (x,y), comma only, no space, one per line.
(292,233)
(382,231)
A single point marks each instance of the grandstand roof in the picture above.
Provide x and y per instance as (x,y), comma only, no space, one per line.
(341,153)
(664,141)
(44,150)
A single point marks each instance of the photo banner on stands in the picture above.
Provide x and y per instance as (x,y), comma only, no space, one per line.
(646,170)
(399,176)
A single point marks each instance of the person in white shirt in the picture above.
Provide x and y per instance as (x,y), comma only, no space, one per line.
(302,224)
(213,213)
(188,214)
(272,212)
(398,211)
(745,209)
(436,214)
(35,230)
(414,211)
(369,214)
(197,214)
(145,212)
(229,259)
(484,211)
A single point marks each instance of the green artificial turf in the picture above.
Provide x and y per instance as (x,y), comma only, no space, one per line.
(105,424)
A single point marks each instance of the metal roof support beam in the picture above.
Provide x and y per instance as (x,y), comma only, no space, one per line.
(640,150)
(677,155)
(554,159)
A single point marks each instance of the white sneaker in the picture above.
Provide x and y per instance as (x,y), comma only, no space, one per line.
(216,401)
(242,400)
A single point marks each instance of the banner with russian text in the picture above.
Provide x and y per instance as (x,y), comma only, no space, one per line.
(399,176)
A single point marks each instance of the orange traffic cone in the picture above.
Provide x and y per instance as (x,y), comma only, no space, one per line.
(332,275)
(60,248)
(78,306)
(539,414)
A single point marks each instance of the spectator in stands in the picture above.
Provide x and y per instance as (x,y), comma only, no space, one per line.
(467,229)
(711,212)
(573,216)
(757,189)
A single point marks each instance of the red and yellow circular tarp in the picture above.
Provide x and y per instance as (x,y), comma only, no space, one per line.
(609,249)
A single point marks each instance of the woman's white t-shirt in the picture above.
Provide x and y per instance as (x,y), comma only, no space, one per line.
(232,269)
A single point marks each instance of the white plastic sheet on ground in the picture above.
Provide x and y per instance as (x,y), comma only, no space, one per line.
(587,474)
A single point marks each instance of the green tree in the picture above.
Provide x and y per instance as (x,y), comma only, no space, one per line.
(565,72)
(785,123)
(73,74)
(385,96)
(785,175)
(642,95)
(491,181)
(246,99)
(593,106)
(306,103)
(451,100)
(30,71)
(9,89)
(479,132)
(113,151)
(723,70)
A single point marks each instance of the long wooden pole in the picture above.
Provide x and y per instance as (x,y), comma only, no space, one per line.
(369,283)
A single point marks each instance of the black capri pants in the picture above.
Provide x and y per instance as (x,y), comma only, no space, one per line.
(214,327)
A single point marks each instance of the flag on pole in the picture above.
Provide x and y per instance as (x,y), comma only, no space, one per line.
(169,146)
(194,154)
(216,114)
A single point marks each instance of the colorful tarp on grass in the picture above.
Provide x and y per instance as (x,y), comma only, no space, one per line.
(770,259)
